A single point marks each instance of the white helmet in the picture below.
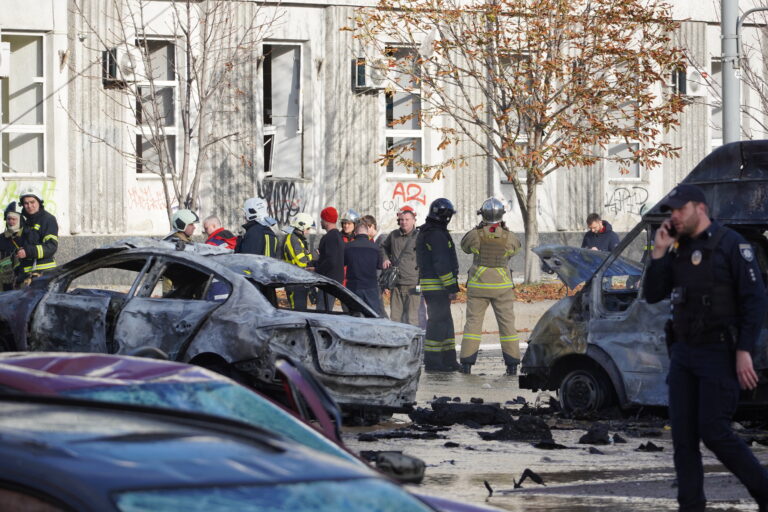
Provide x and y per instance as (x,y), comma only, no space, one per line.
(256,209)
(303,221)
(183,218)
(30,192)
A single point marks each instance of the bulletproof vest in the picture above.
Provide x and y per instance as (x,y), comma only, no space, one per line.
(702,307)
(493,247)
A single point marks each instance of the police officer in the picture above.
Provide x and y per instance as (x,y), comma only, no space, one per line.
(438,268)
(718,308)
(39,238)
(490,282)
(183,223)
(296,252)
(258,237)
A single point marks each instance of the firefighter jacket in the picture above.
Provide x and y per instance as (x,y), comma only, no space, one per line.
(178,235)
(39,239)
(222,238)
(436,258)
(296,250)
(492,246)
(258,239)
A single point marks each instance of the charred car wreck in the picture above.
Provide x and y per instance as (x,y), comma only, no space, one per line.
(605,345)
(202,305)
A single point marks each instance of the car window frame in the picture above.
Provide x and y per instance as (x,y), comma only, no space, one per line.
(152,278)
(61,283)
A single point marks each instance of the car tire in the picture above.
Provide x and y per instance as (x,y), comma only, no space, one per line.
(584,391)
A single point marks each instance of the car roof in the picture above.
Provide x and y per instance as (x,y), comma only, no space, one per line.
(262,269)
(54,372)
(734,179)
(93,449)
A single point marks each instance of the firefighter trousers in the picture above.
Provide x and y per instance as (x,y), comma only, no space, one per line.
(502,301)
(440,342)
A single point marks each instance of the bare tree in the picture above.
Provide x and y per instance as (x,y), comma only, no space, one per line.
(534,85)
(176,87)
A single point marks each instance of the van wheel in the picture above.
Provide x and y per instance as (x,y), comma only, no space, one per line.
(584,391)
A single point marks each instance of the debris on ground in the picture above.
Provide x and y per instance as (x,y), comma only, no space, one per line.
(595,451)
(549,445)
(526,428)
(401,433)
(451,413)
(597,434)
(649,447)
(404,468)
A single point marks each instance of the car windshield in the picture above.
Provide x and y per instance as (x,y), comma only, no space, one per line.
(215,398)
(368,495)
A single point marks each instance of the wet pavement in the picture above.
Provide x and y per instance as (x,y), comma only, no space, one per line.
(578,478)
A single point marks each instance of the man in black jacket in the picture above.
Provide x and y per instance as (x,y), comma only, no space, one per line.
(39,239)
(718,305)
(601,236)
(363,258)
(330,261)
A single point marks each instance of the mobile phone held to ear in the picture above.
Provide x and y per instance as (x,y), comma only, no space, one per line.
(671,230)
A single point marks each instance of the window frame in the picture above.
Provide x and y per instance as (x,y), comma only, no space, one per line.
(393,87)
(42,129)
(167,131)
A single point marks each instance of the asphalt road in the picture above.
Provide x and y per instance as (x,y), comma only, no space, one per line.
(619,479)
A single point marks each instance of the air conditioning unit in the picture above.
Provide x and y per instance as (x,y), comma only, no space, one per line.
(5,59)
(695,83)
(370,75)
(122,65)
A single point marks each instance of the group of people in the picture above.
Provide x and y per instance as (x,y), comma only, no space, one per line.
(353,253)
(29,242)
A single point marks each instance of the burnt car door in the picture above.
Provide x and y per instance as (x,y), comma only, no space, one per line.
(169,306)
(623,326)
(79,311)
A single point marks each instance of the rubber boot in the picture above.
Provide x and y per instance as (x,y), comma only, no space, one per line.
(512,369)
(449,361)
(466,368)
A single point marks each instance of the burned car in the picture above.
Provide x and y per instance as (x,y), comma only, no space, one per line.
(605,344)
(224,311)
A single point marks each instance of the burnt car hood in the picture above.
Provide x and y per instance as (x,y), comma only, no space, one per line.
(575,266)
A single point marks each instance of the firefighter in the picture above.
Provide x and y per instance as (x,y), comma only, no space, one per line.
(258,237)
(438,268)
(10,241)
(490,282)
(183,225)
(39,238)
(296,252)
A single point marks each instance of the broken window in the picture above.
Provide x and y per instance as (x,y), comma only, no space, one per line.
(179,281)
(282,110)
(156,108)
(113,279)
(22,105)
(337,297)
(621,282)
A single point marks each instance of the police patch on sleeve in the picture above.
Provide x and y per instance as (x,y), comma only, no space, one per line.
(746,252)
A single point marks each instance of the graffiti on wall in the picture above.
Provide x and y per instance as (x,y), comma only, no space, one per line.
(403,194)
(146,197)
(283,197)
(13,188)
(627,200)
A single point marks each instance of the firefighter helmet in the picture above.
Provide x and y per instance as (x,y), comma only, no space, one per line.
(256,209)
(441,210)
(30,192)
(351,216)
(303,221)
(183,218)
(492,210)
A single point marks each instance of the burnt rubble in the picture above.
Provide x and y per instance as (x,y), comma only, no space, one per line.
(526,428)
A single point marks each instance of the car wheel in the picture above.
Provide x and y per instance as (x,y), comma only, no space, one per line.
(583,391)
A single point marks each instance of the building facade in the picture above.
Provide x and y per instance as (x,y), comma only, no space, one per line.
(312,134)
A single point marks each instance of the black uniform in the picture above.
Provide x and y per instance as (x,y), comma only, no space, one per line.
(438,270)
(330,263)
(40,240)
(718,306)
(257,239)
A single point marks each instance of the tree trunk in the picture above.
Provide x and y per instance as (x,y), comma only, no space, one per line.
(532,266)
